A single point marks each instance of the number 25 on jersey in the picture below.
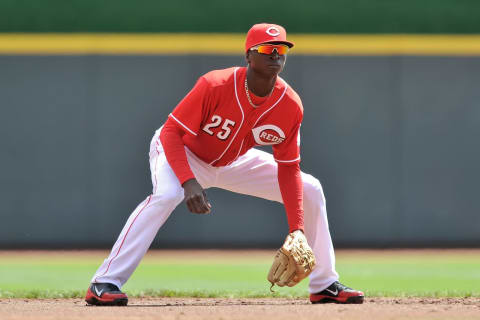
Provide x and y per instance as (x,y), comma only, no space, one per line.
(216,121)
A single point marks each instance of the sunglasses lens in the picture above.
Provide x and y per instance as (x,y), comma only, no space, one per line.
(265,49)
(268,49)
(282,50)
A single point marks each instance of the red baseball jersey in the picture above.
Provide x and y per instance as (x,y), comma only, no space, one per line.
(216,113)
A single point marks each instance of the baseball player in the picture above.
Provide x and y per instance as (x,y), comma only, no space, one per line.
(207,141)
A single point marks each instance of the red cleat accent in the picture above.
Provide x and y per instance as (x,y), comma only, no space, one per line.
(338,293)
(105,294)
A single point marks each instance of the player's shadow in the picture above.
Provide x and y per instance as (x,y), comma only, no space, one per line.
(214,305)
(210,304)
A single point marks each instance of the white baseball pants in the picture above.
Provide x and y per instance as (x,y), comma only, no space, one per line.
(254,173)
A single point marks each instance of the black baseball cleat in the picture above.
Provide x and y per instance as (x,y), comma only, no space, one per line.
(105,294)
(338,293)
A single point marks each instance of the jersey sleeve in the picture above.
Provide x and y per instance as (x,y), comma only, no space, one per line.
(288,152)
(188,113)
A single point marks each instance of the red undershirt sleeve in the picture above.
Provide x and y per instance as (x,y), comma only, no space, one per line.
(287,156)
(291,188)
(174,148)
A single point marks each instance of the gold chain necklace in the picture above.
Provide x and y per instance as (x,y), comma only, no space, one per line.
(248,94)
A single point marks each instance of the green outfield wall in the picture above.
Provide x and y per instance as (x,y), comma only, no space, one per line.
(303,16)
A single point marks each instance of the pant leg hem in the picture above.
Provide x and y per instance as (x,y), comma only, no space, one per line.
(320,287)
(103,280)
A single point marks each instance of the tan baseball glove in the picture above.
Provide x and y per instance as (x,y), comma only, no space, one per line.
(293,262)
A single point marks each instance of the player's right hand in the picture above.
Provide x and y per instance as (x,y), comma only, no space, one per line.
(195,197)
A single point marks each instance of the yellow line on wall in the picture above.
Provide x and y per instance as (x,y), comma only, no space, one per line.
(232,44)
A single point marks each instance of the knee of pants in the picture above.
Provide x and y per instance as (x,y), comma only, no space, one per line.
(166,197)
(313,191)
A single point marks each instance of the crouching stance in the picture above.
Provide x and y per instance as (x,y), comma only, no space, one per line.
(207,141)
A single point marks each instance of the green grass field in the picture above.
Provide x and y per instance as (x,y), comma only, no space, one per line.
(379,273)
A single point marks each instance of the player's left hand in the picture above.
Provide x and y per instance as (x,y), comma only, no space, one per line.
(293,262)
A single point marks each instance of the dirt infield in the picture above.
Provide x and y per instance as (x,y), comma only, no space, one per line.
(217,309)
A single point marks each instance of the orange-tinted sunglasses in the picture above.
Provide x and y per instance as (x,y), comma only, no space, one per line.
(269,48)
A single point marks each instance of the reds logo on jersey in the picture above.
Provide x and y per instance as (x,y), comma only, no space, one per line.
(268,134)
